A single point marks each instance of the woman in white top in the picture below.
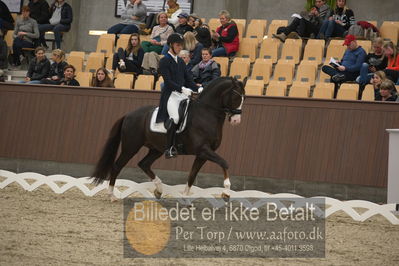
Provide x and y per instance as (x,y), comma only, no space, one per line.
(159,35)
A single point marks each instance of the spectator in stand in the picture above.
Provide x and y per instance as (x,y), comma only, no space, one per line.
(375,61)
(387,92)
(159,35)
(60,21)
(349,67)
(173,12)
(39,11)
(56,69)
(39,67)
(185,55)
(193,47)
(102,79)
(308,25)
(376,80)
(201,31)
(133,15)
(392,70)
(183,27)
(131,59)
(69,77)
(6,20)
(3,53)
(338,23)
(25,33)
(226,36)
(207,70)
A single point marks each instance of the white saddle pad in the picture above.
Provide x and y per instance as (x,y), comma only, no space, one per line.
(160,127)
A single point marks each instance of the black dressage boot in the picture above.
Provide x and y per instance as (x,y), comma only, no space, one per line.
(171,151)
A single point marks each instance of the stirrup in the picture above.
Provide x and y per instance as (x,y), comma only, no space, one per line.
(171,152)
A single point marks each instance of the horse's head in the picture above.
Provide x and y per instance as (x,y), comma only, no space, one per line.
(233,99)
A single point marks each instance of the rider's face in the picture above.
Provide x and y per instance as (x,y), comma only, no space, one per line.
(177,47)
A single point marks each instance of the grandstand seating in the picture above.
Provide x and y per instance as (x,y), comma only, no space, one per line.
(306,73)
(144,82)
(269,49)
(300,91)
(224,65)
(124,81)
(276,88)
(106,45)
(284,72)
(292,52)
(368,93)
(254,87)
(248,48)
(158,84)
(256,29)
(240,68)
(262,70)
(85,79)
(76,61)
(323,90)
(314,52)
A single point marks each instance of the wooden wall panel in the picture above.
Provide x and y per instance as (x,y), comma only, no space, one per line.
(286,138)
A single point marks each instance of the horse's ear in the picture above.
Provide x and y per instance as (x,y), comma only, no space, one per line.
(244,82)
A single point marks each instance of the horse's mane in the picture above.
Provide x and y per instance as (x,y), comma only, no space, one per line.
(214,85)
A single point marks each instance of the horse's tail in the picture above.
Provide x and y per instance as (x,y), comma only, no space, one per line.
(106,162)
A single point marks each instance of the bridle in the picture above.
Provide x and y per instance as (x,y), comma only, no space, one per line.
(226,110)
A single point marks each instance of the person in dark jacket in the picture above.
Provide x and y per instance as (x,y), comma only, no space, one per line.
(336,25)
(183,26)
(56,73)
(6,20)
(226,36)
(39,67)
(131,59)
(3,53)
(60,21)
(69,77)
(309,23)
(39,11)
(178,80)
(387,91)
(201,31)
(207,70)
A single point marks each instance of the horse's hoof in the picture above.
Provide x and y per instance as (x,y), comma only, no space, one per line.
(225,196)
(157,194)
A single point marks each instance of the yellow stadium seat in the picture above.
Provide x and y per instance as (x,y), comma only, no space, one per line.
(144,82)
(272,30)
(94,63)
(107,36)
(256,30)
(84,78)
(240,68)
(281,22)
(105,46)
(254,87)
(299,91)
(336,51)
(368,93)
(241,29)
(314,52)
(248,49)
(240,21)
(77,62)
(310,63)
(224,65)
(389,30)
(284,72)
(317,42)
(124,81)
(350,86)
(269,49)
(123,41)
(9,38)
(78,53)
(158,84)
(323,90)
(214,23)
(276,88)
(346,94)
(291,52)
(297,42)
(306,73)
(262,70)
(324,77)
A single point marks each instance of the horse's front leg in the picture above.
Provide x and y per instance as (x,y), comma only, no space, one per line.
(198,163)
(208,154)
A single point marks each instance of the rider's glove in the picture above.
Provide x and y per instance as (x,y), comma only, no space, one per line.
(200,89)
(186,91)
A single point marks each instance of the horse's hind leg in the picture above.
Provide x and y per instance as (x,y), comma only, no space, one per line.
(198,163)
(145,165)
(122,160)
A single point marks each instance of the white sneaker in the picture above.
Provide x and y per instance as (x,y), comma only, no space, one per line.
(122,65)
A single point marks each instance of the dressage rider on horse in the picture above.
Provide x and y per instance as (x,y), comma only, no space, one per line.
(176,79)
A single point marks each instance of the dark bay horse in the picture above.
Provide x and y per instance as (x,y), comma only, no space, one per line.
(201,137)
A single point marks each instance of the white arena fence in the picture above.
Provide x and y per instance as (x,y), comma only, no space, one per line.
(145,189)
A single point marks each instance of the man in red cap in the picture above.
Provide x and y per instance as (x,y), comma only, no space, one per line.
(349,67)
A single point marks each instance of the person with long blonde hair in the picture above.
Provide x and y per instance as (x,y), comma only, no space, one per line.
(194,47)
(375,61)
(57,68)
(129,60)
